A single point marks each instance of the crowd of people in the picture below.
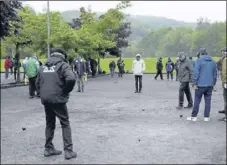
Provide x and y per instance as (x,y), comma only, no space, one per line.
(54,80)
(201,74)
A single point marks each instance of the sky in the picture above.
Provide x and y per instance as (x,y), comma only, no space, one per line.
(187,11)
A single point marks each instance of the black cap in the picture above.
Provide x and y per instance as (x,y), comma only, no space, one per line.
(58,50)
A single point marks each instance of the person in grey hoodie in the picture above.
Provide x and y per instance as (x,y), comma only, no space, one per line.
(185,76)
(80,71)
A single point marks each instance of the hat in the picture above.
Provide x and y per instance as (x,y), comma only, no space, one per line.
(202,51)
(59,50)
(138,55)
(224,50)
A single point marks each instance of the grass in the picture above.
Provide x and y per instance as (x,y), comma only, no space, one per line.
(104,63)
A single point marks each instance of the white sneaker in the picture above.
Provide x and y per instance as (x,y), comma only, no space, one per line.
(206,119)
(192,118)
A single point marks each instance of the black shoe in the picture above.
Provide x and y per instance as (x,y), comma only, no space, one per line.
(179,107)
(70,154)
(78,90)
(155,78)
(223,119)
(52,152)
(136,91)
(188,107)
(140,91)
(31,97)
(223,111)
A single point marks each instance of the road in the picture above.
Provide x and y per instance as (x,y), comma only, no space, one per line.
(109,126)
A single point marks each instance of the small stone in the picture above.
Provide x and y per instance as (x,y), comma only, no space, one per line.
(23,128)
(181,115)
(143,109)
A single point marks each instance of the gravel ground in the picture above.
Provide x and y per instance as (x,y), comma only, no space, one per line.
(109,126)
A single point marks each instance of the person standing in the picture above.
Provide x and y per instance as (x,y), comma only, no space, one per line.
(185,76)
(176,66)
(16,66)
(121,69)
(169,68)
(11,66)
(24,62)
(55,81)
(112,67)
(138,68)
(204,79)
(7,67)
(219,66)
(224,81)
(159,68)
(80,71)
(31,70)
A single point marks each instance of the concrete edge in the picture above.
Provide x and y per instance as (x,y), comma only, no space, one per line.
(21,84)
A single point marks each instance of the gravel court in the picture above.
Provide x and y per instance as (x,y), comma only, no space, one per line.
(109,125)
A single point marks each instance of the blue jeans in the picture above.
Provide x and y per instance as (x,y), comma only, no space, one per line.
(199,93)
(6,73)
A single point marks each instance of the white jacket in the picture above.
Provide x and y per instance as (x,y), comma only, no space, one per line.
(138,67)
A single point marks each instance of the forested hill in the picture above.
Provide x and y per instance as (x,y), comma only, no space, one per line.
(141,25)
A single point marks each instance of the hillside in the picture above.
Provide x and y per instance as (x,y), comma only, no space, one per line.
(140,25)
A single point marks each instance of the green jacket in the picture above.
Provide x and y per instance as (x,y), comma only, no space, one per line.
(32,68)
(223,70)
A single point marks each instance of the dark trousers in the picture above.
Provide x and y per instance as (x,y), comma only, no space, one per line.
(171,74)
(6,73)
(185,89)
(138,82)
(159,72)
(112,72)
(61,112)
(11,70)
(225,102)
(176,75)
(93,72)
(32,86)
(15,74)
(199,93)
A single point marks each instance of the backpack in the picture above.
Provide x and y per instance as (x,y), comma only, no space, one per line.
(169,67)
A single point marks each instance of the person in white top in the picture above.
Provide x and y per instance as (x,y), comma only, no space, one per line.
(138,68)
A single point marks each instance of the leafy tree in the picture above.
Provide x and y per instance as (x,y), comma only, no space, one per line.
(8,13)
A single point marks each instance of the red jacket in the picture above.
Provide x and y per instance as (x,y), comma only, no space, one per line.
(7,64)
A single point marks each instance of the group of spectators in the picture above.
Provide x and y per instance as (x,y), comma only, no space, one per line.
(11,66)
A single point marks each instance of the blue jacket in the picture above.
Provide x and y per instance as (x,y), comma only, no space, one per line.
(204,72)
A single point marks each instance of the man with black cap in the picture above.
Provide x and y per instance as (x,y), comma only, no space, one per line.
(159,68)
(184,75)
(55,81)
(224,81)
(204,79)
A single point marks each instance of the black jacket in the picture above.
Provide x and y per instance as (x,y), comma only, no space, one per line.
(159,65)
(55,80)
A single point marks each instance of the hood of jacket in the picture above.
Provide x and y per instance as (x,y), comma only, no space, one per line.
(55,58)
(206,58)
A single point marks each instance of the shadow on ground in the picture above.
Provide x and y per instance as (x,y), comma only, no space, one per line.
(109,126)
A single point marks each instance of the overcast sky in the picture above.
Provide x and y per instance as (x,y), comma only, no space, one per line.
(187,11)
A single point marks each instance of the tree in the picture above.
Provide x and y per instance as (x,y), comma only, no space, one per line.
(8,13)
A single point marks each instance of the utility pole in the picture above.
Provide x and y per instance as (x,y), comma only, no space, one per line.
(48,29)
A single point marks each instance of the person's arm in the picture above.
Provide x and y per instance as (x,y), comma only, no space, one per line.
(37,83)
(195,76)
(69,77)
(133,67)
(215,73)
(84,67)
(37,65)
(223,71)
(190,68)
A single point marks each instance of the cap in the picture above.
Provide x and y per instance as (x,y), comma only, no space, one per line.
(202,51)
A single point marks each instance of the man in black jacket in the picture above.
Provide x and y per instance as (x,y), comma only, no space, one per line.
(55,81)
(159,67)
